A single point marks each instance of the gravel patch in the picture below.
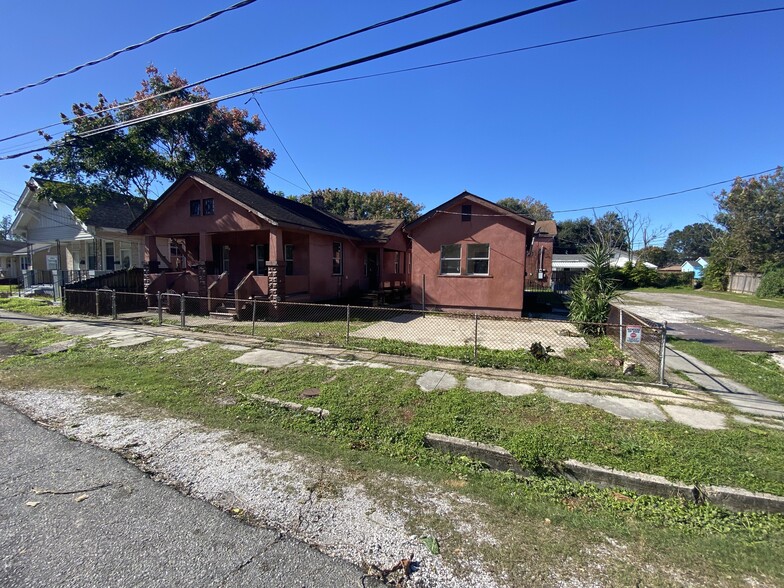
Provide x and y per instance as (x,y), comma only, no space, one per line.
(314,502)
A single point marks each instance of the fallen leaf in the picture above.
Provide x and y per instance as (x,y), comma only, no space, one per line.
(431,543)
(81,497)
(621,497)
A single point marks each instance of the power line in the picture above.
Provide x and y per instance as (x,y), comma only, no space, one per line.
(527,48)
(711,185)
(269,122)
(126,105)
(114,54)
(351,63)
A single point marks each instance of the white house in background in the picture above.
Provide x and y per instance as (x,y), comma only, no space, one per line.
(55,238)
(568,266)
(9,263)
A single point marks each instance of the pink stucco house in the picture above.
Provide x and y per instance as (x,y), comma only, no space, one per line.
(469,254)
(209,236)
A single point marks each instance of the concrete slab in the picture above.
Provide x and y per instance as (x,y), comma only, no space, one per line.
(58,347)
(232,347)
(343,364)
(435,380)
(697,418)
(758,422)
(130,342)
(500,386)
(193,343)
(268,358)
(625,408)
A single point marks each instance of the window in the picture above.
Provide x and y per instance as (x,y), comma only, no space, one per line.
(195,207)
(450,259)
(24,263)
(262,255)
(92,259)
(397,262)
(337,259)
(288,255)
(478,259)
(108,248)
(125,255)
(465,211)
(208,207)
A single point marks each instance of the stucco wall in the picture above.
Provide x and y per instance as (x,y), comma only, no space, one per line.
(500,292)
(545,244)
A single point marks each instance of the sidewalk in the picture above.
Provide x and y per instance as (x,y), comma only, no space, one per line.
(684,403)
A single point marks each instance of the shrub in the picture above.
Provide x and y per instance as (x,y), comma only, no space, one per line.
(772,284)
(593,291)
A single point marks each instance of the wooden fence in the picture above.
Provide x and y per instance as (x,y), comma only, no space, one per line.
(744,283)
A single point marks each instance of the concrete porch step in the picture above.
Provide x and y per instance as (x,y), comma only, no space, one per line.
(224,315)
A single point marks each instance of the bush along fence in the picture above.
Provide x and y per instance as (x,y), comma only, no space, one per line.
(631,349)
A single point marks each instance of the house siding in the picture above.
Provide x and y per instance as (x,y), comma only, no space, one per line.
(500,292)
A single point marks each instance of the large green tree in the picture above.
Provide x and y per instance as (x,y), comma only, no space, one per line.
(692,241)
(353,205)
(136,160)
(752,212)
(574,235)
(529,206)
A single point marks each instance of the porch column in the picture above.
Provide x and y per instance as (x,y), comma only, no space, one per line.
(380,268)
(276,266)
(151,253)
(205,248)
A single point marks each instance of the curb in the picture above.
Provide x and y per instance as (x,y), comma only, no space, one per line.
(499,459)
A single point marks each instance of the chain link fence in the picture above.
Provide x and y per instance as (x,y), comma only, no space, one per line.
(626,346)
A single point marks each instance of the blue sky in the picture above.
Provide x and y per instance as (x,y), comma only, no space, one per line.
(576,125)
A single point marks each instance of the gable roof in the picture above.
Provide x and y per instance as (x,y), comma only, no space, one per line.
(379,230)
(274,208)
(116,212)
(501,210)
(691,264)
(7,246)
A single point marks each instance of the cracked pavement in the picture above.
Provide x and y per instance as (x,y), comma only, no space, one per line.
(129,530)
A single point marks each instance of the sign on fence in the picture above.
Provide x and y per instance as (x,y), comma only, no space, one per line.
(633,333)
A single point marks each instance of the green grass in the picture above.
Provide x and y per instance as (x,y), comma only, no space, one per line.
(34,306)
(378,421)
(755,370)
(728,296)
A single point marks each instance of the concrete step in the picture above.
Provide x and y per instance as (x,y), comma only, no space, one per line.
(224,316)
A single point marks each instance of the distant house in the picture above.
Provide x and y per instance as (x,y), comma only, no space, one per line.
(470,254)
(692,267)
(56,239)
(223,239)
(568,266)
(670,269)
(9,263)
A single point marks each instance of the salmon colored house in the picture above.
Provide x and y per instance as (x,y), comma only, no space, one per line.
(469,254)
(539,261)
(223,239)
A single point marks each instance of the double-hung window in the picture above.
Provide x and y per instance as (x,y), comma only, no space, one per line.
(262,255)
(288,254)
(478,259)
(450,259)
(337,259)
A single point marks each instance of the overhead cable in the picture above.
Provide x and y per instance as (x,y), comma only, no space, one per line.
(351,63)
(126,105)
(114,54)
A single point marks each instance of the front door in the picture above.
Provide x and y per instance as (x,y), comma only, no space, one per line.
(371,269)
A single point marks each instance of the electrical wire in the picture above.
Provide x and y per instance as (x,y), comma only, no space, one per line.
(711,185)
(527,48)
(114,54)
(280,140)
(345,64)
(126,105)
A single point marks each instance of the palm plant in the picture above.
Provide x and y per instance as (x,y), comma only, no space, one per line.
(593,291)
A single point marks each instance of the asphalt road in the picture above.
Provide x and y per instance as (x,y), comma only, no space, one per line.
(102,522)
(759,317)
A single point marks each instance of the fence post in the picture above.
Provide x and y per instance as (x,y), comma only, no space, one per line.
(97,303)
(182,310)
(348,322)
(620,329)
(662,352)
(423,294)
(253,327)
(476,334)
(114,305)
(160,308)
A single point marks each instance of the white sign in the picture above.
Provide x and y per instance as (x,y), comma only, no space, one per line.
(52,262)
(633,334)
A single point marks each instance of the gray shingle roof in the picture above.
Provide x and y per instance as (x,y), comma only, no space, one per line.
(380,230)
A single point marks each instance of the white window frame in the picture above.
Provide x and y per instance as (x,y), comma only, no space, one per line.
(262,257)
(470,259)
(458,258)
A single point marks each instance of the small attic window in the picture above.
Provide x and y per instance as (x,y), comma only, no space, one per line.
(465,211)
